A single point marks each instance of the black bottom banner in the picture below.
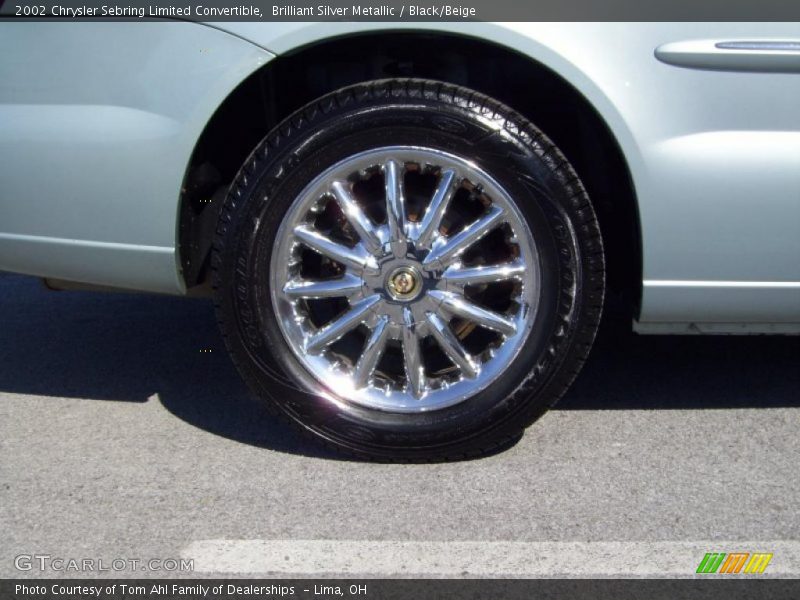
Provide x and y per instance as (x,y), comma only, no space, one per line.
(416,589)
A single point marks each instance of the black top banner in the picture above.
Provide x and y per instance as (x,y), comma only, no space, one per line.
(405,11)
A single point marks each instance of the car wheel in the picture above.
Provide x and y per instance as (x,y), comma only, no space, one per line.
(408,270)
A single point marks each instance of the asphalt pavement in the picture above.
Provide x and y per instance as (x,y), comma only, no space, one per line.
(126,434)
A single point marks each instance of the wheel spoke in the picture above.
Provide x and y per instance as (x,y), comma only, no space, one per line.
(329,288)
(433,215)
(412,355)
(356,258)
(344,324)
(356,217)
(395,201)
(373,350)
(459,306)
(451,346)
(461,241)
(462,276)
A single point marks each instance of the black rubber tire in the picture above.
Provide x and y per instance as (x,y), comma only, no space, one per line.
(433,114)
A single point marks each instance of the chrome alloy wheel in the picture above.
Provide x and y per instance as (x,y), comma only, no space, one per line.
(404,279)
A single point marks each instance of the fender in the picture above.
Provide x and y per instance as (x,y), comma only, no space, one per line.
(96,137)
(706,161)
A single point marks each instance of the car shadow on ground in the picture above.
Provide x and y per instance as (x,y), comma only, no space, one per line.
(629,371)
(132,347)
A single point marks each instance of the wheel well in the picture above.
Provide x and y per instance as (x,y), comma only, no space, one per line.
(290,81)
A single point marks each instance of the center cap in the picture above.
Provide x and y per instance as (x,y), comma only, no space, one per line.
(404,283)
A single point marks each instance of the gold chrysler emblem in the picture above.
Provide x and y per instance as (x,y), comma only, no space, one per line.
(403,283)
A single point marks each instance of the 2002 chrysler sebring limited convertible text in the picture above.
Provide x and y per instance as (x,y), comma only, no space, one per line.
(409,230)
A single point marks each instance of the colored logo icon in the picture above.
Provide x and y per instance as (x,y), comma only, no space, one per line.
(735,562)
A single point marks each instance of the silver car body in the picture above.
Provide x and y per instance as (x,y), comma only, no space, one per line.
(98,122)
